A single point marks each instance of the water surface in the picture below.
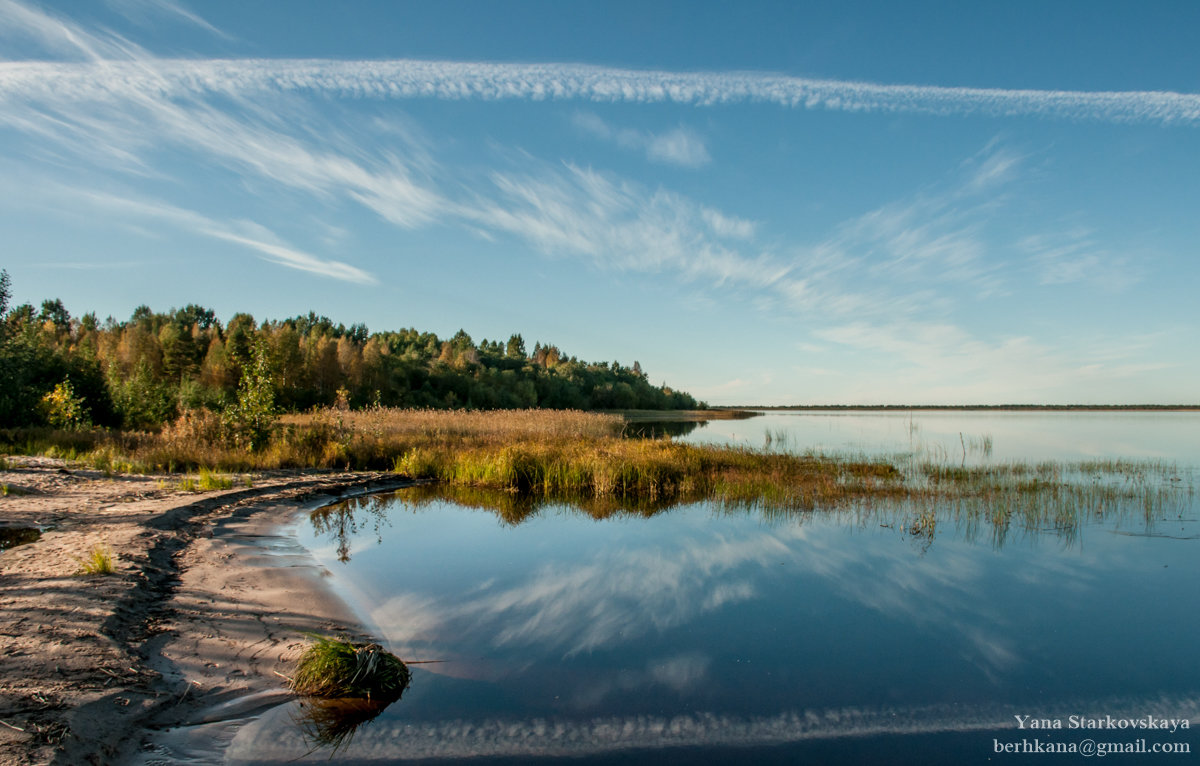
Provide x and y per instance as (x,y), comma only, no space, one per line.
(700,635)
(952,435)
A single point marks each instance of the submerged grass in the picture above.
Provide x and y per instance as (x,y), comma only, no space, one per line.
(335,668)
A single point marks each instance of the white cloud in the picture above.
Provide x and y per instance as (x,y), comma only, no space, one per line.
(26,25)
(618,224)
(148,12)
(728,227)
(118,70)
(913,361)
(678,147)
(244,233)
(916,257)
(681,146)
(456,80)
(1073,255)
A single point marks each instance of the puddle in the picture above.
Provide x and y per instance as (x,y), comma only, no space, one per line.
(11,537)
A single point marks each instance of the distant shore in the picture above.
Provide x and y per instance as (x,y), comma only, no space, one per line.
(967,407)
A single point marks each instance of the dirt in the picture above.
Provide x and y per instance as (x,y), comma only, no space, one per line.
(204,605)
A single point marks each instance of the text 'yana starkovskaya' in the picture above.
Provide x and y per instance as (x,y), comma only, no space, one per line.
(1104,722)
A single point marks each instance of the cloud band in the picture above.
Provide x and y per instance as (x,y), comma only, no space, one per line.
(455,80)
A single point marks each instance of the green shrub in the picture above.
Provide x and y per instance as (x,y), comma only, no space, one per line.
(252,417)
(63,408)
(140,399)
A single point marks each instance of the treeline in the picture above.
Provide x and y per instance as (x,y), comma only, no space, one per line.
(140,373)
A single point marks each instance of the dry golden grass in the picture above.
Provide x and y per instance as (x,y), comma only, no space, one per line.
(455,425)
(581,458)
(536,452)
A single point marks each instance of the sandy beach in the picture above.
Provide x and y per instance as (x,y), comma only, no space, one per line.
(207,604)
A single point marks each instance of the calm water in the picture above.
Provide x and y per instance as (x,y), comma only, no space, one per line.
(943,435)
(700,635)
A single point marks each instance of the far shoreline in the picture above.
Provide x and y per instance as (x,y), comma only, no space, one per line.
(962,407)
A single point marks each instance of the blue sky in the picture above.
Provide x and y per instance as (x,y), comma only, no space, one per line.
(767,203)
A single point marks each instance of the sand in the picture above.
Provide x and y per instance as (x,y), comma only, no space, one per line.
(207,604)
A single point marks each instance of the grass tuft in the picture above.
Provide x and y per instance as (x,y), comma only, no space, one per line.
(98,562)
(210,480)
(334,668)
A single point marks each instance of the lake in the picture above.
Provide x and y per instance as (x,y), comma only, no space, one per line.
(1172,436)
(702,634)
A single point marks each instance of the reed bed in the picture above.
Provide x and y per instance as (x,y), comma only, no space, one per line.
(539,452)
(653,470)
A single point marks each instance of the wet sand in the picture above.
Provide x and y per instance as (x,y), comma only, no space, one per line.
(207,607)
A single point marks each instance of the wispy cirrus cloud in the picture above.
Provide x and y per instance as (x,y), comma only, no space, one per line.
(247,234)
(680,146)
(1075,256)
(147,12)
(909,257)
(574,211)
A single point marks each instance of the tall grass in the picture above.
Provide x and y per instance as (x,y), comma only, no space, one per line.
(368,439)
(651,470)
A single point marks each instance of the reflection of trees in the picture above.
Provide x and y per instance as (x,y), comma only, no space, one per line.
(344,519)
(516,507)
(990,504)
(657,429)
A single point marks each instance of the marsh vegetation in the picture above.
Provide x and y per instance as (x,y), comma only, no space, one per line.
(534,457)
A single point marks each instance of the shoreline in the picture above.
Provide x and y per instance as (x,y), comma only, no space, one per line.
(961,408)
(208,605)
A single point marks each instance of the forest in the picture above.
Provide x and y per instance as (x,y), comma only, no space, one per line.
(68,372)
